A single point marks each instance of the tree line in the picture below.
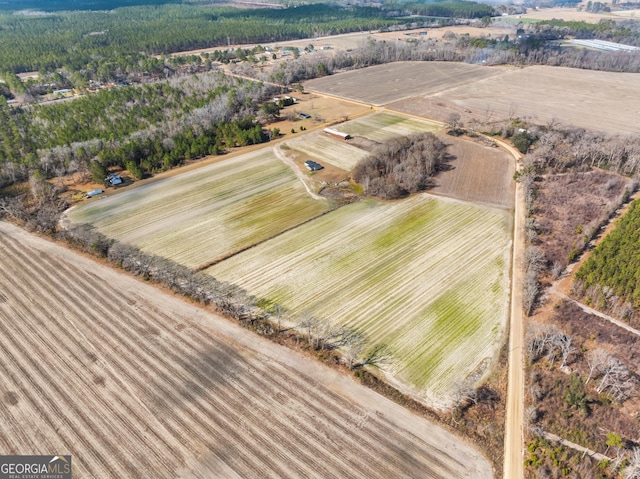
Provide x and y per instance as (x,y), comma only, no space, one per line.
(400,166)
(75,39)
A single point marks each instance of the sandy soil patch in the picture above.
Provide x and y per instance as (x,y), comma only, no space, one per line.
(126,379)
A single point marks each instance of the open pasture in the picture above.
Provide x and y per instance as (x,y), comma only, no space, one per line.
(382,84)
(325,148)
(425,276)
(384,126)
(205,214)
(136,383)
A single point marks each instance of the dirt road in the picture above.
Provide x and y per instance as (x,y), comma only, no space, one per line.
(514,427)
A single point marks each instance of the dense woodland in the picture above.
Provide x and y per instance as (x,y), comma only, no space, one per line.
(142,128)
(400,166)
(74,40)
(610,278)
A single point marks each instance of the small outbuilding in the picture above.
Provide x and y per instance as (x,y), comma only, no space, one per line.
(113,180)
(93,193)
(313,166)
(337,134)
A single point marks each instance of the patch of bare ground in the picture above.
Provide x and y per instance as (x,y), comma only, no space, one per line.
(364,143)
(437,108)
(573,14)
(601,101)
(382,84)
(566,401)
(570,208)
(101,366)
(498,31)
(476,172)
(328,174)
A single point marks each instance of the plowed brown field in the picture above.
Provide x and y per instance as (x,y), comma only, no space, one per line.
(135,383)
(478,173)
(605,101)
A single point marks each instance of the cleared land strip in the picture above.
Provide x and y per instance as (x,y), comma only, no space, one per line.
(128,379)
(596,455)
(595,312)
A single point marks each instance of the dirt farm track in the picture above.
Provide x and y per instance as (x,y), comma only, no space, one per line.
(136,383)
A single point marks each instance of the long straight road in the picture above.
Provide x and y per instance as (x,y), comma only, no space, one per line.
(514,423)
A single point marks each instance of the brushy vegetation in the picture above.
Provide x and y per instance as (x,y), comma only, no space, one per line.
(582,387)
(568,197)
(610,278)
(400,166)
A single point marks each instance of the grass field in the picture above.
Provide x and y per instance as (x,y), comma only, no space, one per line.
(327,149)
(204,214)
(426,276)
(136,383)
(383,126)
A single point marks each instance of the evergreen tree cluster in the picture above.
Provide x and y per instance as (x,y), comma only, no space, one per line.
(615,263)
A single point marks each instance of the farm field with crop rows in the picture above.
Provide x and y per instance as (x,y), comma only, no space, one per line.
(136,383)
(327,149)
(425,276)
(599,100)
(383,126)
(381,84)
(204,214)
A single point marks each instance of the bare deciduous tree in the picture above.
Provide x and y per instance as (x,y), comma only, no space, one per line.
(632,471)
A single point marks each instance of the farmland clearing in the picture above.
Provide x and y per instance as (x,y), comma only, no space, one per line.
(204,214)
(382,84)
(327,149)
(384,126)
(101,366)
(478,173)
(604,101)
(426,276)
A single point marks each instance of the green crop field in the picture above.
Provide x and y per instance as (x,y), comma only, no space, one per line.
(202,215)
(425,276)
(383,126)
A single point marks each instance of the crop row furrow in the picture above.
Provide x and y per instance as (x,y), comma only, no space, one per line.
(76,354)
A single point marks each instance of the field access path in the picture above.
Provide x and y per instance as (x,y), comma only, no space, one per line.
(514,422)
